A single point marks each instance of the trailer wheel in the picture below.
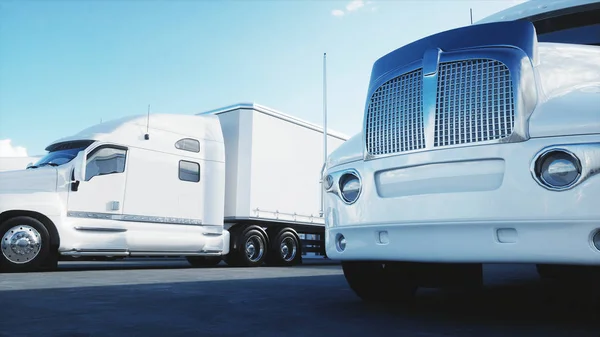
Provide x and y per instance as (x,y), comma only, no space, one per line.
(380,282)
(25,245)
(285,248)
(249,247)
(203,261)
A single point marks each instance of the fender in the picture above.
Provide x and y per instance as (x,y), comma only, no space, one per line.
(568,79)
(47,203)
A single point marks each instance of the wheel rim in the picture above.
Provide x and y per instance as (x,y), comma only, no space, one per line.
(21,244)
(255,248)
(288,249)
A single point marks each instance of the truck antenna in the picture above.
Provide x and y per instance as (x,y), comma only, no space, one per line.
(471,10)
(324,128)
(324,108)
(147,135)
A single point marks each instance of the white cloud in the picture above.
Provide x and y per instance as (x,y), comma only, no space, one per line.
(9,150)
(353,6)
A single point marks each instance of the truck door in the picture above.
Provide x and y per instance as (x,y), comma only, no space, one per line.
(97,202)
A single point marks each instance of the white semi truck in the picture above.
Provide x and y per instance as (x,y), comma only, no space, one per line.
(480,144)
(242,183)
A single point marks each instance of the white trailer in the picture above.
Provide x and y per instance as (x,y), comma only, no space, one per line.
(240,183)
(272,184)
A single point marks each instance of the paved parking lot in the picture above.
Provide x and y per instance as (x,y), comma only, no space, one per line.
(166,298)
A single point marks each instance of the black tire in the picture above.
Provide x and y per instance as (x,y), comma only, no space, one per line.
(203,261)
(239,252)
(37,255)
(381,282)
(284,249)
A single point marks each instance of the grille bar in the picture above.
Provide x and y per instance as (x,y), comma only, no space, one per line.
(395,116)
(475,102)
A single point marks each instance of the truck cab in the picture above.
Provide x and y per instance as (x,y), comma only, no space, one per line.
(480,144)
(136,186)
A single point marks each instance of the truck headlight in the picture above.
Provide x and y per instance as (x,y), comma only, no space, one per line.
(557,169)
(350,187)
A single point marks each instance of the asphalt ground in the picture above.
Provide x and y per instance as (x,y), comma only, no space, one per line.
(168,298)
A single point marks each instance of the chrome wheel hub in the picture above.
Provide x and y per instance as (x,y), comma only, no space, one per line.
(21,244)
(288,249)
(254,248)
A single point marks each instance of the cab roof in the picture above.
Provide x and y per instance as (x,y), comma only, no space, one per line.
(131,129)
(535,10)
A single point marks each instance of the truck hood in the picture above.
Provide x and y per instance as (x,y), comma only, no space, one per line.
(568,83)
(564,68)
(41,179)
(349,151)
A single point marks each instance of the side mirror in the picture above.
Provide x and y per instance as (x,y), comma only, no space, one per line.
(80,163)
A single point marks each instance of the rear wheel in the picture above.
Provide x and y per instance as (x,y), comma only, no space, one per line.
(380,282)
(203,261)
(25,245)
(285,249)
(248,247)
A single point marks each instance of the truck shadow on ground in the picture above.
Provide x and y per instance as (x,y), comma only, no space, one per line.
(168,263)
(292,306)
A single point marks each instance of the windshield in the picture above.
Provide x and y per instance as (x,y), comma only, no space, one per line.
(60,154)
(580,27)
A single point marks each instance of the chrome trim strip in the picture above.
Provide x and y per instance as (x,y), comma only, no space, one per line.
(182,253)
(588,155)
(430,86)
(431,61)
(212,234)
(125,252)
(137,218)
(101,229)
(95,252)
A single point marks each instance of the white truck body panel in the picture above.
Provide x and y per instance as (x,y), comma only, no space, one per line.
(273,164)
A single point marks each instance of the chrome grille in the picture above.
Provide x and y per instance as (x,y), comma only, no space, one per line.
(475,102)
(395,116)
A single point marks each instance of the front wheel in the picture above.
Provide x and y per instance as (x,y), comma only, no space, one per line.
(25,245)
(380,282)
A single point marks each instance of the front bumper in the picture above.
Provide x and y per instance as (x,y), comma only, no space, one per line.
(472,204)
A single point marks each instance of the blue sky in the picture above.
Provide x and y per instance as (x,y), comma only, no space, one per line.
(65,65)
